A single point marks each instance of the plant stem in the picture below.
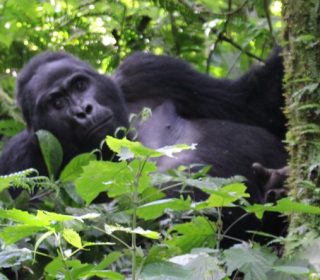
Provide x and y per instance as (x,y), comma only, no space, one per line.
(135,200)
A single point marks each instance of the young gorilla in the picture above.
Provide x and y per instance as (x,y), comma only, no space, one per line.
(65,96)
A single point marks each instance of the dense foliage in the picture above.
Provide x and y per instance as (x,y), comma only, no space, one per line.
(61,232)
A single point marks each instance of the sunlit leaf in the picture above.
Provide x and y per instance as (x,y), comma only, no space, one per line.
(155,209)
(72,237)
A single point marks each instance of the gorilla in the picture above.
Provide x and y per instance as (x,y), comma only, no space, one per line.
(235,122)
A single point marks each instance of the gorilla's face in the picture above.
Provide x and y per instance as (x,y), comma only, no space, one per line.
(78,105)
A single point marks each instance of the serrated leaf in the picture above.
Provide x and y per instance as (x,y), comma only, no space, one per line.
(293,270)
(104,274)
(22,217)
(212,184)
(74,167)
(121,147)
(200,232)
(12,234)
(99,176)
(227,195)
(108,260)
(127,149)
(253,262)
(284,205)
(51,151)
(58,266)
(146,233)
(3,277)
(156,208)
(10,257)
(202,265)
(48,217)
(165,271)
(72,237)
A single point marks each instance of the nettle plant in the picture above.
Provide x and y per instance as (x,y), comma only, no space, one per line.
(138,233)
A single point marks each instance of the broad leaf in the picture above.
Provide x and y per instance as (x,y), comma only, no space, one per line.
(72,237)
(200,232)
(99,176)
(74,167)
(156,208)
(253,262)
(146,233)
(12,256)
(51,151)
(284,205)
(165,271)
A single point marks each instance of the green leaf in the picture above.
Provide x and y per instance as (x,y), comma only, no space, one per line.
(48,217)
(211,184)
(200,232)
(51,151)
(10,127)
(11,256)
(165,271)
(108,260)
(146,233)
(284,205)
(74,167)
(58,266)
(3,277)
(104,274)
(14,178)
(141,170)
(293,270)
(116,178)
(42,219)
(156,208)
(227,195)
(161,252)
(253,262)
(12,234)
(202,265)
(127,149)
(99,176)
(72,237)
(23,217)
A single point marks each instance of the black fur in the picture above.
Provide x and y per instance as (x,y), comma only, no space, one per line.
(254,99)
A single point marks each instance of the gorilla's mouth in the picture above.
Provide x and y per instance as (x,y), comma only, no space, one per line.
(96,130)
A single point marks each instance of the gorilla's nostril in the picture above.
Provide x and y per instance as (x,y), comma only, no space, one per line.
(89,109)
(81,115)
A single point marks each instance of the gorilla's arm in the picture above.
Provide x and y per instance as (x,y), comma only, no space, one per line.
(20,153)
(255,98)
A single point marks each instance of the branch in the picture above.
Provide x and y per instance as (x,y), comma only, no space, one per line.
(266,8)
(220,34)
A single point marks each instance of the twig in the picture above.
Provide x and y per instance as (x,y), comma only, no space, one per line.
(266,8)
(174,32)
(214,46)
(222,36)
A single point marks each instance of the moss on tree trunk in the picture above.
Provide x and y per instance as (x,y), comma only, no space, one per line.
(302,91)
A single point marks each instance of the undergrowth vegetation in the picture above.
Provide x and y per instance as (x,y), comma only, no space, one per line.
(136,232)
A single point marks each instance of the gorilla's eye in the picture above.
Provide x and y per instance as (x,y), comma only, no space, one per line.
(59,102)
(80,84)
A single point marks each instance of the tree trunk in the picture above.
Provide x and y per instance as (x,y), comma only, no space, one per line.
(302,92)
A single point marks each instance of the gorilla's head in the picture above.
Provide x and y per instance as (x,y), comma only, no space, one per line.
(61,94)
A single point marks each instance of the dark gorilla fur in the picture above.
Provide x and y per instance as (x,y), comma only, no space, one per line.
(235,123)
